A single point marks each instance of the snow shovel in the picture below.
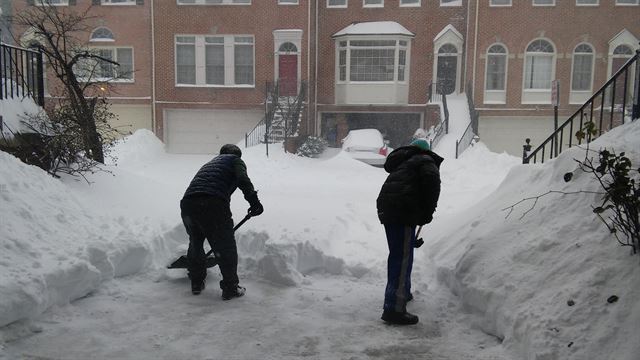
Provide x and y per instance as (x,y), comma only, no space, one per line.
(182,262)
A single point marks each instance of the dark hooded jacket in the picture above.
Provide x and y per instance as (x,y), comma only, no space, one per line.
(410,194)
(220,177)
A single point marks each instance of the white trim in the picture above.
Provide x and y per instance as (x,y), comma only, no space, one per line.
(42,3)
(490,95)
(500,5)
(593,61)
(128,3)
(346,4)
(418,4)
(280,2)
(587,5)
(626,4)
(533,3)
(365,5)
(224,3)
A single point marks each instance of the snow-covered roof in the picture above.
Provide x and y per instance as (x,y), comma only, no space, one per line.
(375,28)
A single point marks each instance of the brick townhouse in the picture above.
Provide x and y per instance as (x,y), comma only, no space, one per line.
(201,67)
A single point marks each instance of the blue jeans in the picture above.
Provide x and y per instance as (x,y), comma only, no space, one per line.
(400,239)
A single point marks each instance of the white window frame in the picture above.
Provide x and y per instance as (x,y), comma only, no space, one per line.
(491,4)
(99,40)
(418,4)
(496,96)
(365,5)
(580,96)
(451,4)
(110,3)
(597,3)
(288,2)
(224,2)
(636,3)
(535,95)
(115,58)
(396,62)
(346,4)
(229,56)
(46,3)
(533,2)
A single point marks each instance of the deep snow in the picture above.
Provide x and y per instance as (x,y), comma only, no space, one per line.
(313,263)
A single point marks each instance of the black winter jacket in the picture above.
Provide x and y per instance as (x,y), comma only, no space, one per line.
(410,194)
(220,177)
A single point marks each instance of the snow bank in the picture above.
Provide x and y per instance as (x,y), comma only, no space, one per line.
(13,110)
(520,274)
(55,248)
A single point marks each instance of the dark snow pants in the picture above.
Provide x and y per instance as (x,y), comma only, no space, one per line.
(210,217)
(400,239)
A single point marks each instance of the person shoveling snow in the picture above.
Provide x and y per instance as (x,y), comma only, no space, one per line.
(205,211)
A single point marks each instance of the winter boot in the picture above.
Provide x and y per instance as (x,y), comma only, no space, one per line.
(197,287)
(233,292)
(399,318)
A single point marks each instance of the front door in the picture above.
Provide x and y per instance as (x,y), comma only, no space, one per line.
(447,68)
(288,74)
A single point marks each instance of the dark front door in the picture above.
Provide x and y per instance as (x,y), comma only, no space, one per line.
(447,68)
(288,74)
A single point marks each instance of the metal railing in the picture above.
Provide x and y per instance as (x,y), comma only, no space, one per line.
(282,115)
(443,126)
(21,73)
(615,103)
(470,134)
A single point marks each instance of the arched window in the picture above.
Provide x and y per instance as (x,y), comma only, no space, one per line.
(288,47)
(623,51)
(582,73)
(448,49)
(102,34)
(496,67)
(539,65)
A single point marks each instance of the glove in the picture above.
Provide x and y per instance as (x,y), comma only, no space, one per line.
(255,207)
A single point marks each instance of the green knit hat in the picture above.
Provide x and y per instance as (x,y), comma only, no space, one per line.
(422,144)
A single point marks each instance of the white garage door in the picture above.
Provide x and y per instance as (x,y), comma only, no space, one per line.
(205,131)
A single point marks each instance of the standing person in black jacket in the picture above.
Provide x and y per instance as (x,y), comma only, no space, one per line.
(206,214)
(408,198)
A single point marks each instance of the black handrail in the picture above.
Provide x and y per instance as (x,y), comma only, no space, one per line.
(21,73)
(443,126)
(471,132)
(606,96)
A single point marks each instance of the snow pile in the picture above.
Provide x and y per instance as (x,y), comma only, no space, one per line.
(55,248)
(13,111)
(540,278)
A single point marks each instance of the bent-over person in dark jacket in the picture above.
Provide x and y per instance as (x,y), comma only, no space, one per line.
(408,198)
(206,213)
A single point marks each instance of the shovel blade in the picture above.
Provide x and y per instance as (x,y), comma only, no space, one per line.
(183,263)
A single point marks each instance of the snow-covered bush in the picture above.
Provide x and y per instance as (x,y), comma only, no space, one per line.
(312,147)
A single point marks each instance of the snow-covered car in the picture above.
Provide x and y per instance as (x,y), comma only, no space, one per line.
(366,145)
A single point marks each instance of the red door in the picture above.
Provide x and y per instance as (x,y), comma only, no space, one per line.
(288,74)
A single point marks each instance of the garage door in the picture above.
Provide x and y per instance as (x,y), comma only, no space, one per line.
(205,131)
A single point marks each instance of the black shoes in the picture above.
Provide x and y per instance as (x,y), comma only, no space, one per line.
(197,287)
(233,292)
(399,318)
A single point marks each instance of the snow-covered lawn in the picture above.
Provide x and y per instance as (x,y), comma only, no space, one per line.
(82,266)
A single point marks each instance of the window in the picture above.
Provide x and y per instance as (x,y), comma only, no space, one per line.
(186,60)
(544,2)
(583,60)
(587,2)
(337,3)
(496,68)
(627,2)
(96,69)
(288,47)
(214,2)
(539,63)
(373,3)
(450,2)
(102,34)
(52,2)
(287,2)
(118,2)
(227,60)
(500,3)
(410,3)
(243,48)
(372,60)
